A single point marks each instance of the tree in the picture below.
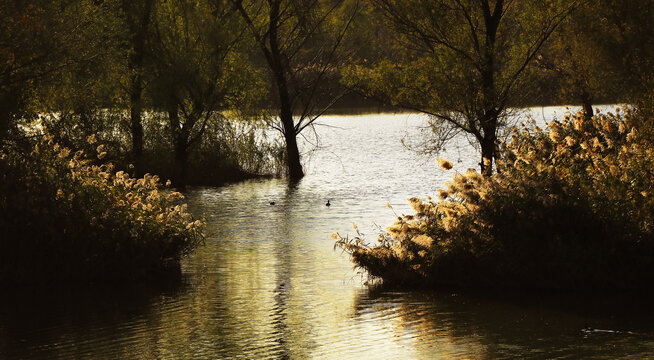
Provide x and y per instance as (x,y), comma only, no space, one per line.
(38,40)
(83,98)
(583,56)
(137,15)
(300,43)
(603,52)
(461,61)
(630,24)
(198,71)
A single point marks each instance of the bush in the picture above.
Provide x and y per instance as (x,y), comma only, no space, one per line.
(68,218)
(570,208)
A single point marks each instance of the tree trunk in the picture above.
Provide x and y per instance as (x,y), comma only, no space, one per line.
(180,144)
(490,109)
(181,163)
(487,154)
(277,65)
(138,20)
(292,152)
(136,108)
(587,103)
(4,122)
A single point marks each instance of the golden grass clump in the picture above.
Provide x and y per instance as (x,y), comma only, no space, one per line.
(569,206)
(91,221)
(445,164)
(443,194)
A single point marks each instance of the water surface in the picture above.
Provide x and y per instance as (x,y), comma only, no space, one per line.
(268,284)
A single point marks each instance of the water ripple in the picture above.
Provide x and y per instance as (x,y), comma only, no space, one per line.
(268,284)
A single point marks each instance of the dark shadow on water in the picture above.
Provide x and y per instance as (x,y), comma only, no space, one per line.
(498,326)
(283,279)
(34,320)
(283,248)
(591,303)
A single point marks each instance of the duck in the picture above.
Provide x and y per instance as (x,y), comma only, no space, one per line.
(328,204)
(272,203)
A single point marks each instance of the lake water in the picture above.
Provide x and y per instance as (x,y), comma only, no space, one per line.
(269,285)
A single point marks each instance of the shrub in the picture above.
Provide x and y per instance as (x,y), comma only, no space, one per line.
(65,217)
(570,207)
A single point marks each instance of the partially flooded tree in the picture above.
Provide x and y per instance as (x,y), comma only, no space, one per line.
(630,24)
(461,61)
(138,16)
(198,72)
(300,41)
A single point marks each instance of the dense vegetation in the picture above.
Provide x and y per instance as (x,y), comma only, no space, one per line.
(570,207)
(199,67)
(467,63)
(69,217)
(211,91)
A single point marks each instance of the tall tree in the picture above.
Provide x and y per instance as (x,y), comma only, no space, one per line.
(603,52)
(137,15)
(78,99)
(198,71)
(461,61)
(300,43)
(630,24)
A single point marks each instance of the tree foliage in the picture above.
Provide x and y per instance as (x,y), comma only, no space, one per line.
(463,61)
(199,70)
(39,40)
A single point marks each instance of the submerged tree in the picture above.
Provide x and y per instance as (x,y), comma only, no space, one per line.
(461,61)
(198,71)
(300,41)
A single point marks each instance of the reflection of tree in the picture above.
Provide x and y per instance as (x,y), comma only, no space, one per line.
(283,279)
(449,325)
(245,302)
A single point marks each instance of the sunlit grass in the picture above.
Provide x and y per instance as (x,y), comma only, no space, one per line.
(70,216)
(569,207)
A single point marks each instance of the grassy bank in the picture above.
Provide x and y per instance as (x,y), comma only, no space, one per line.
(72,218)
(570,207)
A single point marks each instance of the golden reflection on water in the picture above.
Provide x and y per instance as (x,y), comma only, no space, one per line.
(268,284)
(263,290)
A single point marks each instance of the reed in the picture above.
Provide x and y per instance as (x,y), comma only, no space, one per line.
(71,217)
(569,207)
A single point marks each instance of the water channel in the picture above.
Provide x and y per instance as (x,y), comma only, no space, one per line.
(269,285)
